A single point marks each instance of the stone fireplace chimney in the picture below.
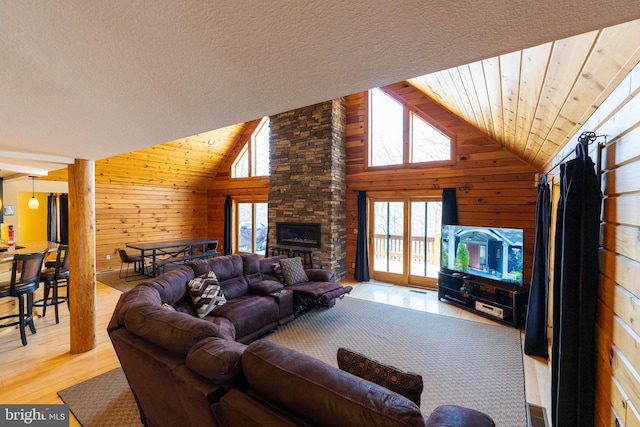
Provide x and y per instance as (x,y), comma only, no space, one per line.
(308,177)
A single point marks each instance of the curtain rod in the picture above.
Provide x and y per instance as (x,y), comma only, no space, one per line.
(585,138)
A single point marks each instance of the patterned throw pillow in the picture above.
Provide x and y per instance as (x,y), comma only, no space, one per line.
(206,293)
(293,271)
(406,384)
(277,271)
(168,306)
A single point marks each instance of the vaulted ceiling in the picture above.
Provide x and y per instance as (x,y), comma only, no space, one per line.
(532,101)
(93,80)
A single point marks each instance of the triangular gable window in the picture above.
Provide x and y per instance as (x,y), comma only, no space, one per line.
(253,159)
(399,135)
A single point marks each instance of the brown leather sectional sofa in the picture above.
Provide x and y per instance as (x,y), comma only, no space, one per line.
(185,370)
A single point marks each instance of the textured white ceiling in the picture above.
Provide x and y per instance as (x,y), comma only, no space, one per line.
(91,79)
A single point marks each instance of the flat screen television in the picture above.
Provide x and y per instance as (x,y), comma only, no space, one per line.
(490,252)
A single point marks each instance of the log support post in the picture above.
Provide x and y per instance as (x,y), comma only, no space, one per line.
(82,252)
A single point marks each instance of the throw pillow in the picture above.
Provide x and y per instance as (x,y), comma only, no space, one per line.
(206,293)
(293,271)
(404,383)
(277,271)
(168,306)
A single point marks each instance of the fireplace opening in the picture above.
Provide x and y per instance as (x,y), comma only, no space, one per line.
(298,234)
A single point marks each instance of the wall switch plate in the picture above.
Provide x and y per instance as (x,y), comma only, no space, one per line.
(108,257)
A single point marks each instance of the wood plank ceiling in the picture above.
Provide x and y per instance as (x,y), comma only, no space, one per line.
(534,100)
(188,162)
(530,101)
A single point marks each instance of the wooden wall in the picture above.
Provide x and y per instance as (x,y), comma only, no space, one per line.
(617,327)
(135,213)
(157,193)
(494,187)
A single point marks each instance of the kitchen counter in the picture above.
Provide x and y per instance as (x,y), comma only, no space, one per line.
(25,248)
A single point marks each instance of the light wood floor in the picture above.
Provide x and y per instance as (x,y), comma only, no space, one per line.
(33,374)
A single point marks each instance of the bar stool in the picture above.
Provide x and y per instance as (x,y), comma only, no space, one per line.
(280,250)
(306,255)
(30,266)
(52,278)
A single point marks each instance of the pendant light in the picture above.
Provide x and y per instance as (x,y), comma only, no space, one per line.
(33,202)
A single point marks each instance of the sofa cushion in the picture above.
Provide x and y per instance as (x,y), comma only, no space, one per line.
(223,325)
(293,271)
(251,268)
(277,272)
(407,384)
(249,313)
(171,285)
(199,267)
(229,270)
(266,264)
(206,293)
(174,331)
(320,394)
(217,360)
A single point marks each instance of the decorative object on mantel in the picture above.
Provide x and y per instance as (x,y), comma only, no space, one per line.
(33,202)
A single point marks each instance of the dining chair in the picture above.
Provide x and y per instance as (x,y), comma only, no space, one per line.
(54,277)
(25,279)
(136,260)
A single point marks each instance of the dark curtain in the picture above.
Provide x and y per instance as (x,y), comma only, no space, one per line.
(64,219)
(52,218)
(449,207)
(362,253)
(535,336)
(575,293)
(228,229)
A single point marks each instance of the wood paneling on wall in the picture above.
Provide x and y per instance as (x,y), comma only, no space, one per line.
(617,327)
(136,213)
(494,187)
(157,193)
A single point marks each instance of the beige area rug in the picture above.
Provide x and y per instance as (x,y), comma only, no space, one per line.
(111,278)
(103,401)
(462,362)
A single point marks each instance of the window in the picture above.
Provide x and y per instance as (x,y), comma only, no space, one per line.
(241,165)
(253,159)
(399,135)
(252,219)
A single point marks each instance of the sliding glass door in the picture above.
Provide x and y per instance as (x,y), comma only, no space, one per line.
(405,240)
(251,231)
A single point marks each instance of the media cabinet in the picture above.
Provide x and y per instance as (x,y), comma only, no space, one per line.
(497,300)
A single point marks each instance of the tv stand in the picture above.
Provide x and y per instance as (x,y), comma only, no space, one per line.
(496,300)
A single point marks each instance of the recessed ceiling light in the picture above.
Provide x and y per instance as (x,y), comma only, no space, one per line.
(211,141)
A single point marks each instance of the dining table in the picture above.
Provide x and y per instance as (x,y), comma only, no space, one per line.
(161,253)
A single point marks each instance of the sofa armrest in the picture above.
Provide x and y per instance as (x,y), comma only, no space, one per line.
(239,409)
(320,275)
(320,394)
(266,287)
(217,360)
(458,416)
